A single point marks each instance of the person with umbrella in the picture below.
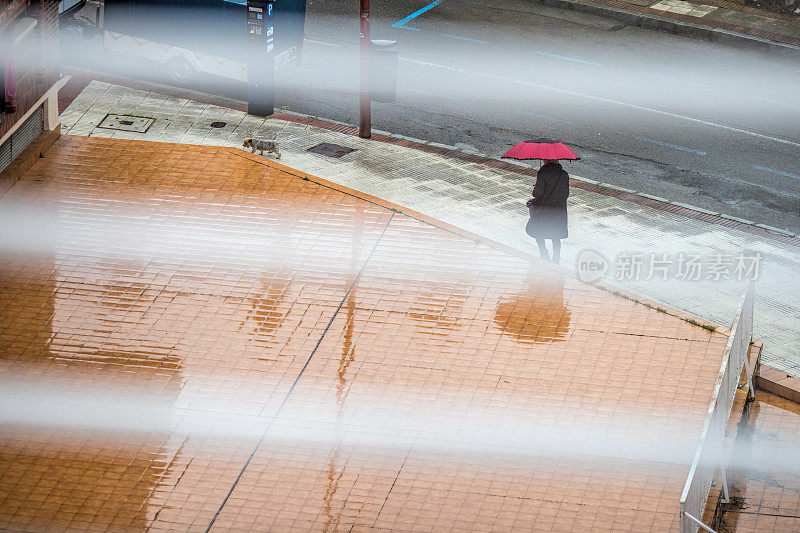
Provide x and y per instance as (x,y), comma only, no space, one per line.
(548,207)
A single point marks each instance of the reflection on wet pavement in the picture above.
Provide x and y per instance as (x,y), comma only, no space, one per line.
(537,314)
(194,337)
(765,477)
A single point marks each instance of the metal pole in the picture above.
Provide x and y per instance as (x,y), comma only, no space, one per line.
(726,495)
(261,58)
(364,114)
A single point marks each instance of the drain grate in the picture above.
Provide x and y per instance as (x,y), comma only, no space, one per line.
(219,124)
(331,150)
(126,123)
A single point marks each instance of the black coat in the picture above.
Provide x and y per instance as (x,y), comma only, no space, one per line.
(548,207)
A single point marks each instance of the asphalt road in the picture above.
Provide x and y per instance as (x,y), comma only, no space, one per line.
(695,122)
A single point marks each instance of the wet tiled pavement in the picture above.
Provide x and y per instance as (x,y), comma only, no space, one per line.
(194,337)
(490,202)
(765,477)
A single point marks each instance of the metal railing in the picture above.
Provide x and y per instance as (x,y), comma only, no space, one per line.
(709,454)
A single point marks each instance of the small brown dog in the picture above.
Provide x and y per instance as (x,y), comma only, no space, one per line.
(262,145)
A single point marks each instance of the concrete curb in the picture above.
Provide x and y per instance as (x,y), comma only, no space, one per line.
(601,285)
(778,383)
(679,27)
(605,189)
(768,381)
(766,377)
(384,136)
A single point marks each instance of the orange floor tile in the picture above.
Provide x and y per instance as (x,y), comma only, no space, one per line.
(192,337)
(765,472)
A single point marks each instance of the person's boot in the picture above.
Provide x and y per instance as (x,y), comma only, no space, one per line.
(542,249)
(556,251)
(543,254)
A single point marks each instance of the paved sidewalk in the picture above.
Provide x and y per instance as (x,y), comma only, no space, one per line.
(210,340)
(716,20)
(764,497)
(489,201)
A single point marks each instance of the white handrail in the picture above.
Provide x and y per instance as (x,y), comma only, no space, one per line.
(709,454)
(700,523)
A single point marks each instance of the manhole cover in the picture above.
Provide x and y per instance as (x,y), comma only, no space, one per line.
(331,150)
(126,123)
(218,124)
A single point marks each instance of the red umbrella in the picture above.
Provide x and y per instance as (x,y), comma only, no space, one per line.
(541,149)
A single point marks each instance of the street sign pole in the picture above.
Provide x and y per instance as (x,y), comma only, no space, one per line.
(364,115)
(261,63)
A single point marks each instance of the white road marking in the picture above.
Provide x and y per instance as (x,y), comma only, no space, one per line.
(774,171)
(599,99)
(668,145)
(323,43)
(670,78)
(548,117)
(778,102)
(567,58)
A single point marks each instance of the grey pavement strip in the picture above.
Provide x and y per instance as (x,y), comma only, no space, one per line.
(665,22)
(491,202)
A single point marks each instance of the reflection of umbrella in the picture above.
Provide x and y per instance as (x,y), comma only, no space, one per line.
(541,149)
(538,314)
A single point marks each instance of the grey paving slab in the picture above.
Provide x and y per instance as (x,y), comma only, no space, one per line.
(491,203)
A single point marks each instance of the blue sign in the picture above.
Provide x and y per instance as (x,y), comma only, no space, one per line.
(259,23)
(269,30)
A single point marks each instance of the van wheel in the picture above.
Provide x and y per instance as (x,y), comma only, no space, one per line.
(180,70)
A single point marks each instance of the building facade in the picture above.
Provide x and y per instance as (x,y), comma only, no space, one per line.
(29,77)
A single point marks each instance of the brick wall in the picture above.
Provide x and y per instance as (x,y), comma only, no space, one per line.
(36,57)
